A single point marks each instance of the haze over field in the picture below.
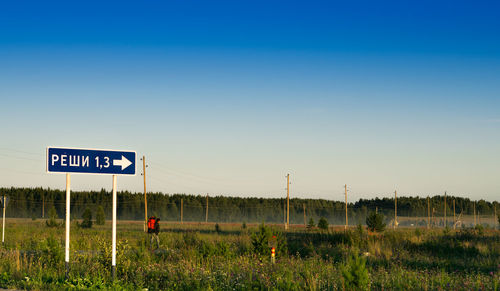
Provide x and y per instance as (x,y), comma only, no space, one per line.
(228,97)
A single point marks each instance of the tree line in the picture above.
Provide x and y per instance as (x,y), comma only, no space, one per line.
(32,202)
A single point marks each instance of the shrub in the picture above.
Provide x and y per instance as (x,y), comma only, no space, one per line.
(479,229)
(244,225)
(311,223)
(52,252)
(52,222)
(87,219)
(217,228)
(323,224)
(100,217)
(260,239)
(355,273)
(375,222)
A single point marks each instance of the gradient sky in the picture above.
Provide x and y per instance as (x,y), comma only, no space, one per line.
(228,97)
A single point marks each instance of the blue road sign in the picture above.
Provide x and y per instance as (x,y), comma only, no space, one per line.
(90,161)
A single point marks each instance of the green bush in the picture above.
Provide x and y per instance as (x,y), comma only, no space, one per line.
(52,222)
(52,252)
(479,229)
(87,219)
(355,273)
(100,217)
(311,224)
(217,228)
(260,240)
(375,222)
(323,224)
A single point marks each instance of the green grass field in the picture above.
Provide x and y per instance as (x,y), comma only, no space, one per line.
(195,256)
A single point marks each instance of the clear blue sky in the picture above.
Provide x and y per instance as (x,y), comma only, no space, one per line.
(228,97)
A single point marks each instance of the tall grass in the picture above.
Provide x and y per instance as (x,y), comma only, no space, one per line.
(197,257)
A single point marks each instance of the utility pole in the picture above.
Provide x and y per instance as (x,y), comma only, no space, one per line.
(474,213)
(495,218)
(304,205)
(145,197)
(433,217)
(182,207)
(287,201)
(284,213)
(4,204)
(206,214)
(395,209)
(454,221)
(445,220)
(428,213)
(43,206)
(346,221)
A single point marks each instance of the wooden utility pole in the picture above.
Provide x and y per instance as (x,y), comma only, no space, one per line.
(304,206)
(445,220)
(145,196)
(495,218)
(433,217)
(182,208)
(454,221)
(428,212)
(206,214)
(287,201)
(284,214)
(395,209)
(474,213)
(346,221)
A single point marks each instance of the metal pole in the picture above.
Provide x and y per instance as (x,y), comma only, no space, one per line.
(113,251)
(68,191)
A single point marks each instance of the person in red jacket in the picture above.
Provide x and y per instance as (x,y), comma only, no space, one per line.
(154,230)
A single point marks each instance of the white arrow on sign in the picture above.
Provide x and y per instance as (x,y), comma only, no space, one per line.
(124,162)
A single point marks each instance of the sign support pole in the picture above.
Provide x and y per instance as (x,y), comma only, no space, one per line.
(113,254)
(68,190)
(3,221)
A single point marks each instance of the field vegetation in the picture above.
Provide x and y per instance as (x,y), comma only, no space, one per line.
(195,256)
